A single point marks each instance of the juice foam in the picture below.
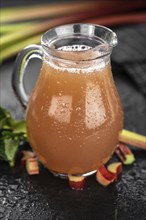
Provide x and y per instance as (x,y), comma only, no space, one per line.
(77,66)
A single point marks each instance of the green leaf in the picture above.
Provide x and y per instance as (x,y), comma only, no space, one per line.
(11,147)
(7,122)
(4,116)
(12,132)
(19,127)
(2,151)
(4,113)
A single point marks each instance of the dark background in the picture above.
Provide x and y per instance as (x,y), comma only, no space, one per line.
(45,197)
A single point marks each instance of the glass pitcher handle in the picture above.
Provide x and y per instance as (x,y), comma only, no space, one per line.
(23,58)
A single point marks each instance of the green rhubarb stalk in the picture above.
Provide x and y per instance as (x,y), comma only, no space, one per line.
(47,10)
(62,9)
(119,19)
(18,35)
(41,27)
(12,43)
(133,138)
(15,48)
(5,28)
(12,133)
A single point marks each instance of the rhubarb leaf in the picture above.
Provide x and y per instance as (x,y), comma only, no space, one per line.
(12,133)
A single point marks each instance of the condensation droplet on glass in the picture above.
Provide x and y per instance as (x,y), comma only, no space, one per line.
(63,104)
(55,122)
(62,110)
(78,109)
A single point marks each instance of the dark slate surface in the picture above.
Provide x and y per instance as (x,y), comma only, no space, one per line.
(45,197)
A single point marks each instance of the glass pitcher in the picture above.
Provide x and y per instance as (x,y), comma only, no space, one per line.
(74,114)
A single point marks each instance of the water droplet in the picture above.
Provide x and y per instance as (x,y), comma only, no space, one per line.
(78,109)
(62,110)
(63,104)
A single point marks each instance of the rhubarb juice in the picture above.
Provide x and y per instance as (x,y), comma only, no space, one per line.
(74,117)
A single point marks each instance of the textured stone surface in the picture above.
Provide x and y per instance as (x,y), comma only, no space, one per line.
(47,197)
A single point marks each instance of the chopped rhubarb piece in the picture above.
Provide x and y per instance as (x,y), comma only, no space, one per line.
(32,166)
(115,168)
(23,163)
(104,177)
(120,155)
(125,154)
(26,155)
(76,182)
(129,159)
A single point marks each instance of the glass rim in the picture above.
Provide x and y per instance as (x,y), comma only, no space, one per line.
(48,50)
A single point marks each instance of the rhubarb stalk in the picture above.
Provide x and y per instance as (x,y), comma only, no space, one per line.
(119,19)
(15,48)
(16,37)
(44,11)
(6,28)
(63,9)
(132,138)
